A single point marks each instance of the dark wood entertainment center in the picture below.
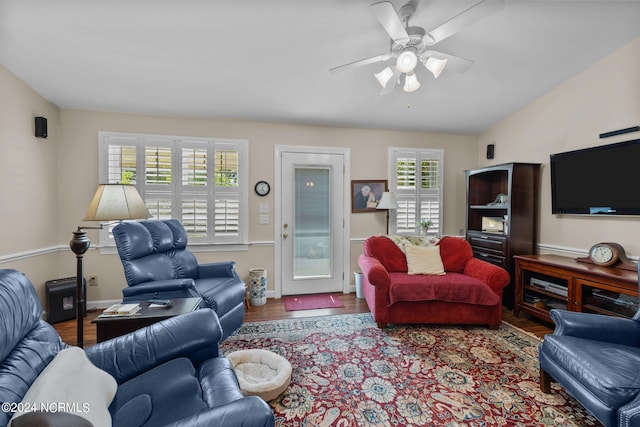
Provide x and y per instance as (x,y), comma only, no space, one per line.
(543,282)
(518,213)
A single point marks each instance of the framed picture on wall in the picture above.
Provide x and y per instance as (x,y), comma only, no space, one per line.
(365,195)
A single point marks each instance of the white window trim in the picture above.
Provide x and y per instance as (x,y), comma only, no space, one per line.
(240,243)
(419,153)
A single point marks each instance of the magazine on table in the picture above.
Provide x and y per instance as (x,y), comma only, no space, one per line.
(117,310)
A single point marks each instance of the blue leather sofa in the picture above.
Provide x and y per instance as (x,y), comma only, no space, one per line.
(157,264)
(596,358)
(169,373)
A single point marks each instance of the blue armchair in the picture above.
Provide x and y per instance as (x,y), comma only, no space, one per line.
(168,374)
(157,264)
(596,358)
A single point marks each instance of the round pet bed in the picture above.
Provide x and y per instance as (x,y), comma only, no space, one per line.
(261,372)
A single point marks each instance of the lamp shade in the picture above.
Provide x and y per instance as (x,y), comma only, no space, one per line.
(113,202)
(411,83)
(384,76)
(435,65)
(387,201)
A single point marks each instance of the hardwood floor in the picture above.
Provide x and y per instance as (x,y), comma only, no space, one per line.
(274,309)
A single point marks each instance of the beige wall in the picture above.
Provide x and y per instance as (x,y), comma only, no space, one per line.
(603,97)
(78,168)
(28,182)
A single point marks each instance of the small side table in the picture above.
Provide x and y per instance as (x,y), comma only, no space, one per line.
(111,327)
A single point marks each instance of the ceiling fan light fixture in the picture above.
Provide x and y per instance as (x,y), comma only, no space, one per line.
(435,65)
(411,83)
(407,61)
(384,76)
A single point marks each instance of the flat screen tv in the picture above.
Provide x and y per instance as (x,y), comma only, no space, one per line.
(602,180)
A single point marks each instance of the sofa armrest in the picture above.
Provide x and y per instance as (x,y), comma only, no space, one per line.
(217,269)
(195,335)
(249,411)
(374,271)
(166,289)
(596,327)
(496,277)
(629,414)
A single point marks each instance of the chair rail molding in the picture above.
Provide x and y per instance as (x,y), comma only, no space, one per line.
(32,253)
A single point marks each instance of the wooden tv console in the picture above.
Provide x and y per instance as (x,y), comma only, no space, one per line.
(543,282)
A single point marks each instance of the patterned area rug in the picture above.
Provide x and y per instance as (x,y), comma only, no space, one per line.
(312,302)
(347,372)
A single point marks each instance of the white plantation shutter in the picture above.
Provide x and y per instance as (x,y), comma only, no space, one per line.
(158,165)
(227,217)
(194,167)
(416,178)
(195,220)
(160,208)
(405,215)
(226,168)
(121,162)
(200,181)
(226,220)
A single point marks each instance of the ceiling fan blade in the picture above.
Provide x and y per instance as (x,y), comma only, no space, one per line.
(391,84)
(454,63)
(464,19)
(388,18)
(360,63)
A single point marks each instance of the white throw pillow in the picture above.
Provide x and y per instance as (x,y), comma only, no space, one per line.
(71,383)
(424,260)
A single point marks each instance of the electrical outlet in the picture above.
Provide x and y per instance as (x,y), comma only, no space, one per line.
(93,280)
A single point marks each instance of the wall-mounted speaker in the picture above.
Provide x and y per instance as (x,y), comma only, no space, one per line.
(41,127)
(490,150)
(620,132)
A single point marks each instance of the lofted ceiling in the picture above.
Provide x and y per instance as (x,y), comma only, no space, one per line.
(270,60)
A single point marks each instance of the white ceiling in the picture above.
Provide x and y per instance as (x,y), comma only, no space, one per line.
(270,60)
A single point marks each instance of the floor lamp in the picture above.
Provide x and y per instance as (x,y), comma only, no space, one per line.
(388,202)
(111,202)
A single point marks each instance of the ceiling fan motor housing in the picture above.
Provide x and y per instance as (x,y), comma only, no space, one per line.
(416,41)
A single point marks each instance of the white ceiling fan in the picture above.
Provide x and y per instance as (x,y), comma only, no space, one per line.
(410,45)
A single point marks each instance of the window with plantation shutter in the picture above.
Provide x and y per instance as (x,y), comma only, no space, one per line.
(416,179)
(200,181)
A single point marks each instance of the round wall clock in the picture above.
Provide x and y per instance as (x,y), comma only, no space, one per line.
(262,188)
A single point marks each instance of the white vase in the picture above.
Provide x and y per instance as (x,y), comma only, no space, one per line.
(257,286)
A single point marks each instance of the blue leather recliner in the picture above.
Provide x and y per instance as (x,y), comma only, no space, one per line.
(157,264)
(596,358)
(169,373)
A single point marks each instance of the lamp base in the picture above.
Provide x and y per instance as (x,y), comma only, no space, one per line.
(387,222)
(79,245)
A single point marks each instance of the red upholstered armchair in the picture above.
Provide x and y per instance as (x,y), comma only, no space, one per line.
(469,291)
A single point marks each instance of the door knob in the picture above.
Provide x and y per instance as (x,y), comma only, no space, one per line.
(285,235)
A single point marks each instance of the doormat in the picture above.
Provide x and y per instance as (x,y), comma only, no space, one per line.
(312,302)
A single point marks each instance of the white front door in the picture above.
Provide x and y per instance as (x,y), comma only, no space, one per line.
(311,231)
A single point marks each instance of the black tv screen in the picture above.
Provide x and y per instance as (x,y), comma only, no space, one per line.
(600,180)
